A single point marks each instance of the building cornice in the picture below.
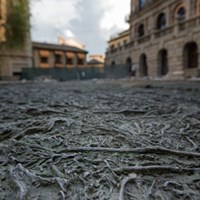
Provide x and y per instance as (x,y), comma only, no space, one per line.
(149,7)
(49,46)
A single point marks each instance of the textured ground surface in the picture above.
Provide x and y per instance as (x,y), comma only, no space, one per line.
(88,140)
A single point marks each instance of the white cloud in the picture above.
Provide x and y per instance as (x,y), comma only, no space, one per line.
(115,14)
(68,33)
(49,17)
(93,21)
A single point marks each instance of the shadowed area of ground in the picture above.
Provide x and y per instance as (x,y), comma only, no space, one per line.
(100,140)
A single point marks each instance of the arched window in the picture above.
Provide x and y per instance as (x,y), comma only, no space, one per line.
(141,30)
(161,21)
(142,3)
(181,13)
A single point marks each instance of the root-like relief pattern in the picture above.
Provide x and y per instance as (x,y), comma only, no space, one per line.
(97,141)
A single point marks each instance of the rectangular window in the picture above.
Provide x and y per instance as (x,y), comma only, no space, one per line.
(58,59)
(44,56)
(69,61)
(112,47)
(17,74)
(142,3)
(80,62)
(70,58)
(44,60)
(80,58)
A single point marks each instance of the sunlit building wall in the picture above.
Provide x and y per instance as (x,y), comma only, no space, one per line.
(15,45)
(164,39)
(96,60)
(46,55)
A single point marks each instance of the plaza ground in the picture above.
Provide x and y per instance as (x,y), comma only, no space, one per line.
(115,140)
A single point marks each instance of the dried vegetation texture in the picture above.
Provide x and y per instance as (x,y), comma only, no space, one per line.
(92,140)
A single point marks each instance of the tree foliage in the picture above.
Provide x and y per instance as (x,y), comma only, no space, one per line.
(17,26)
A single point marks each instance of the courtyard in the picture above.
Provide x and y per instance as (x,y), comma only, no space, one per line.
(98,140)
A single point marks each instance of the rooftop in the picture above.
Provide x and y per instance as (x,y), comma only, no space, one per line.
(40,45)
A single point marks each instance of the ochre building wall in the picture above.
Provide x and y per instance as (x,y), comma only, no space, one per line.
(16,54)
(76,56)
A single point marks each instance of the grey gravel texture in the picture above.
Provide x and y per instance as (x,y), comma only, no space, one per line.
(98,140)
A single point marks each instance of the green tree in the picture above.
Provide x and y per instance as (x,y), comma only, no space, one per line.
(17,26)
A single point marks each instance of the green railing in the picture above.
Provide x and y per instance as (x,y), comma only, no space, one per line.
(65,74)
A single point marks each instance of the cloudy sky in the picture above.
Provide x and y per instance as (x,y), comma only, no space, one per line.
(90,21)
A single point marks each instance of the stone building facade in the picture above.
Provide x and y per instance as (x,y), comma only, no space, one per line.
(15,45)
(117,46)
(96,60)
(59,56)
(164,39)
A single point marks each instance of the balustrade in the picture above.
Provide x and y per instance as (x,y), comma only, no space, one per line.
(164,32)
(143,39)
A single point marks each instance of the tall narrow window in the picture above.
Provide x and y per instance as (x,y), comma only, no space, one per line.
(161,21)
(44,56)
(141,30)
(80,59)
(142,3)
(113,63)
(70,58)
(181,14)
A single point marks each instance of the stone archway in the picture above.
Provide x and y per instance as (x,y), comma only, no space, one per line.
(129,65)
(143,67)
(163,62)
(190,55)
(113,63)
